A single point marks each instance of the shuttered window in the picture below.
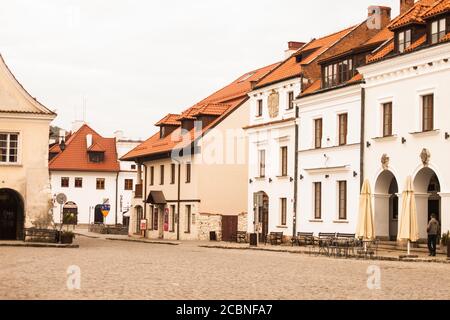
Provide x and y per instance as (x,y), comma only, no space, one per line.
(318,200)
(343,129)
(342,200)
(318,133)
(387,119)
(428,112)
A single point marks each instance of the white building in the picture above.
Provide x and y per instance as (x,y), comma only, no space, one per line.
(329,157)
(407,118)
(85,167)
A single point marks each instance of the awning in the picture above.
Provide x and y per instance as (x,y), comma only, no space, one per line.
(156,197)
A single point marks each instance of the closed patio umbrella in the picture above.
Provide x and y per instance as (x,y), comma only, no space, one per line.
(365,228)
(408,220)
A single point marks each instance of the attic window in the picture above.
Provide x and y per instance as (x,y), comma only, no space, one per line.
(96,157)
(404,40)
(337,73)
(438,30)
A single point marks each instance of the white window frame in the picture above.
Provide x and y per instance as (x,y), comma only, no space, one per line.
(19,148)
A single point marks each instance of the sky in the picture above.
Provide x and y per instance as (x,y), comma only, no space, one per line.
(129,63)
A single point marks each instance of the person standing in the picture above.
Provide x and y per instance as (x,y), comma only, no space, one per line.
(433,230)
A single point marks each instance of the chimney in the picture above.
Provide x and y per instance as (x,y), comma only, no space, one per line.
(405,5)
(378,17)
(293,47)
(88,140)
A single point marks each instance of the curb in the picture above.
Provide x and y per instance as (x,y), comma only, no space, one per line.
(41,245)
(144,241)
(379,258)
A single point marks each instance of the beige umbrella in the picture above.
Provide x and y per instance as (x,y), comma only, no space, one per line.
(365,228)
(408,220)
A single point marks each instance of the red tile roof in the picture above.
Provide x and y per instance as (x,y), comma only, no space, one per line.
(169,120)
(75,155)
(415,15)
(437,8)
(381,52)
(291,69)
(221,104)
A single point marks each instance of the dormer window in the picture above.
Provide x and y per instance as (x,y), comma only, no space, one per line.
(338,73)
(404,40)
(96,157)
(438,30)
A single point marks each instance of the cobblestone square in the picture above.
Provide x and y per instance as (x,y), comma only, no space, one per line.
(130,270)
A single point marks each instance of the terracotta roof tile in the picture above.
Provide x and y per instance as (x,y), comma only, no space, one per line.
(170,120)
(418,43)
(381,36)
(413,15)
(96,147)
(290,68)
(221,104)
(382,52)
(438,8)
(75,155)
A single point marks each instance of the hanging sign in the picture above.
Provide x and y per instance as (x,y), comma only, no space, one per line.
(106,208)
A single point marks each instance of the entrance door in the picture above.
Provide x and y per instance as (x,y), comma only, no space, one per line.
(229,227)
(98,215)
(263,215)
(11,215)
(434,207)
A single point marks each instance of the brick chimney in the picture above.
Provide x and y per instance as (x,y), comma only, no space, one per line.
(378,17)
(405,5)
(293,47)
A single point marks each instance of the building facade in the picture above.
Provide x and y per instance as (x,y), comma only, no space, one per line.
(192,174)
(24,181)
(406,118)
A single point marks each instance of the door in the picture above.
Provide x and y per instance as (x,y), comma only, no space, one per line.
(393,218)
(98,215)
(264,218)
(11,215)
(229,227)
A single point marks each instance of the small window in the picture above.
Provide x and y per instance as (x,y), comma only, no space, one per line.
(428,112)
(284,161)
(129,184)
(259,110)
(188,172)
(9,145)
(96,157)
(342,200)
(100,184)
(343,129)
(161,171)
(133,167)
(317,200)
(283,207)
(404,40)
(152,176)
(187,219)
(64,182)
(78,182)
(290,105)
(262,163)
(438,30)
(172,173)
(318,133)
(387,119)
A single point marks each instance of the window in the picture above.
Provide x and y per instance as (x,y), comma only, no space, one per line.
(172,218)
(9,144)
(188,172)
(172,173)
(284,161)
(317,200)
(283,207)
(78,182)
(338,73)
(100,184)
(187,219)
(342,200)
(438,30)
(152,176)
(96,157)
(428,112)
(290,105)
(133,167)
(404,40)
(262,163)
(387,119)
(343,129)
(64,182)
(161,176)
(128,184)
(318,133)
(259,110)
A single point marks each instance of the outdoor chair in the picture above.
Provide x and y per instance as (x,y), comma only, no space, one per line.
(275,238)
(368,249)
(325,243)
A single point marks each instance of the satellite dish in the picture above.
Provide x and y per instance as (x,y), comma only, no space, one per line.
(61,198)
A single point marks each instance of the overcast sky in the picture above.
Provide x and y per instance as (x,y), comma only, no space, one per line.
(131,62)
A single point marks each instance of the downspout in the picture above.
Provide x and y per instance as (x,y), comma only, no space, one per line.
(145,196)
(295,171)
(178,201)
(117,195)
(362,146)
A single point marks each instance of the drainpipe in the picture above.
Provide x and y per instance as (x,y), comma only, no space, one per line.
(296,171)
(145,196)
(362,146)
(117,195)
(178,197)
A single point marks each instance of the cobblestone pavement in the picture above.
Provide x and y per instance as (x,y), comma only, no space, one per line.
(125,270)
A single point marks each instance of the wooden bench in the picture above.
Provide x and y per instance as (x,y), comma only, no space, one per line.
(346,235)
(241,236)
(303,237)
(275,238)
